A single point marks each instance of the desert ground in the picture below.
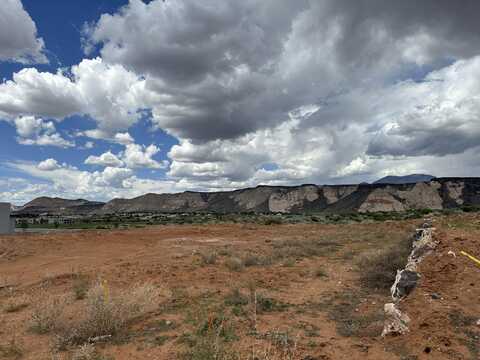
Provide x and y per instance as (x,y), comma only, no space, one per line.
(237,291)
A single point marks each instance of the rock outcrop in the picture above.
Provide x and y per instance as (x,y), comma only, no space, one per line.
(439,193)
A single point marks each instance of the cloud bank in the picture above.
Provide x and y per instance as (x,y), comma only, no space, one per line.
(271,92)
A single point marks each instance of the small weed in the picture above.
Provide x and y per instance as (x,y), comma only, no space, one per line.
(256,260)
(210,339)
(236,298)
(462,322)
(251,260)
(284,347)
(225,252)
(459,319)
(80,287)
(46,314)
(266,304)
(320,272)
(179,299)
(209,258)
(88,352)
(235,264)
(16,304)
(107,314)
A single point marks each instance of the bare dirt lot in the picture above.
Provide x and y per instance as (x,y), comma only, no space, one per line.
(237,291)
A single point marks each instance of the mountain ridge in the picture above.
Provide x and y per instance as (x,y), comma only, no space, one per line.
(438,193)
(407,179)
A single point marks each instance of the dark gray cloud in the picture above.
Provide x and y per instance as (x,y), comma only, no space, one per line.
(223,69)
(370,27)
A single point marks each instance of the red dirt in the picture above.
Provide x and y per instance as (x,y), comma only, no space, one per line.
(167,256)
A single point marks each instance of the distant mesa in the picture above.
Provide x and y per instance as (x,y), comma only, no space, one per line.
(392,193)
(407,179)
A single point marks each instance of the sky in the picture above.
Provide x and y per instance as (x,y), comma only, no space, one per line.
(117,98)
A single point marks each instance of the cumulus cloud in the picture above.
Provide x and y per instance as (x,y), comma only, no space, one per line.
(18,35)
(135,156)
(138,156)
(48,165)
(69,182)
(123,138)
(36,131)
(106,159)
(106,93)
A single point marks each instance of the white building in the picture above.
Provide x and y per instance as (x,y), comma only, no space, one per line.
(7,224)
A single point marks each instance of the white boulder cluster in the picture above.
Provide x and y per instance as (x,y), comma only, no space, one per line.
(396,322)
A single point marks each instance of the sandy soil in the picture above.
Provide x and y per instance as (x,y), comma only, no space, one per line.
(34,266)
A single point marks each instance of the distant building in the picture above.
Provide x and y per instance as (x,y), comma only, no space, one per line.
(7,224)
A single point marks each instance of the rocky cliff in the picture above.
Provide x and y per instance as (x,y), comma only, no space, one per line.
(439,193)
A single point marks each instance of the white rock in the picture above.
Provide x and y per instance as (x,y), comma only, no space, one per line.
(395,321)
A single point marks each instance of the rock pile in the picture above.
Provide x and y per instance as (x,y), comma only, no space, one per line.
(424,243)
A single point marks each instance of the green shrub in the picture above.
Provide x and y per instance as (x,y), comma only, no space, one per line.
(266,304)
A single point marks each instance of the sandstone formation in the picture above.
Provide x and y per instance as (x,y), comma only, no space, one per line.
(439,193)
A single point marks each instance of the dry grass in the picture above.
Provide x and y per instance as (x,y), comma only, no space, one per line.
(257,260)
(106,315)
(379,268)
(85,352)
(46,314)
(80,287)
(16,304)
(299,249)
(235,264)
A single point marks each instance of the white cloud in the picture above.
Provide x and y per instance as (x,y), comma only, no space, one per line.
(35,131)
(139,156)
(135,156)
(109,94)
(18,35)
(123,138)
(49,165)
(112,177)
(106,159)
(69,182)
(437,116)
